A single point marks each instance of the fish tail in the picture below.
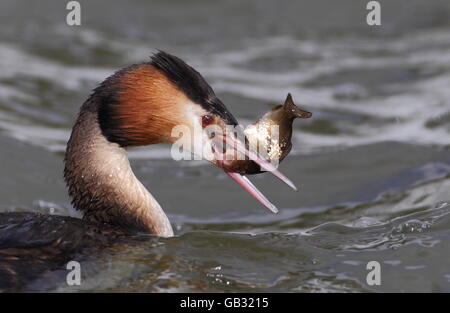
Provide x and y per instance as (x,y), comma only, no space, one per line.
(294,110)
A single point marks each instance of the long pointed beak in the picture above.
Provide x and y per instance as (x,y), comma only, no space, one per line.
(251,189)
(242,180)
(239,146)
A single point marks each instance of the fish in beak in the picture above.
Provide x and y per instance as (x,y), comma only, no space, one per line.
(271,135)
(264,144)
(235,157)
(193,103)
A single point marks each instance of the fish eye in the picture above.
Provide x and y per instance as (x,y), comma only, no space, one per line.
(207,120)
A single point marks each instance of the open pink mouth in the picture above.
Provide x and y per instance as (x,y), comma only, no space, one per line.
(241,179)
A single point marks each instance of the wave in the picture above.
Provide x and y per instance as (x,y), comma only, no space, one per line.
(360,90)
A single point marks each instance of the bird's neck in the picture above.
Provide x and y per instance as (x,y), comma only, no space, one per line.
(102,184)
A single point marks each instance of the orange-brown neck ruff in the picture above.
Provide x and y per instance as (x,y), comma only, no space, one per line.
(140,105)
(101,182)
(143,107)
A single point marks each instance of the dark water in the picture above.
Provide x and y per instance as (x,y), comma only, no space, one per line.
(373,164)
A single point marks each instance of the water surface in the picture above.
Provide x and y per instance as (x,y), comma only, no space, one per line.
(373,164)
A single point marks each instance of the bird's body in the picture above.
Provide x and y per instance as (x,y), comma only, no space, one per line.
(32,244)
(141,105)
(102,183)
(138,105)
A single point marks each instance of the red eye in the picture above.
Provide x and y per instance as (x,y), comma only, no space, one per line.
(207,120)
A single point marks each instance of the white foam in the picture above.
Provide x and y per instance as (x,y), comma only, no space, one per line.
(400,115)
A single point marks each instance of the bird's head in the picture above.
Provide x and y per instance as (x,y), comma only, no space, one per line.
(162,100)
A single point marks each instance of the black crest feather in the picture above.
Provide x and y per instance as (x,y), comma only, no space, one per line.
(191,83)
(187,79)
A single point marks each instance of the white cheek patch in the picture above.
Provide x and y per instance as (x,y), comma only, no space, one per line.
(191,135)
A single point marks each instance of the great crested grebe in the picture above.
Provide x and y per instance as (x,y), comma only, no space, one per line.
(140,105)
